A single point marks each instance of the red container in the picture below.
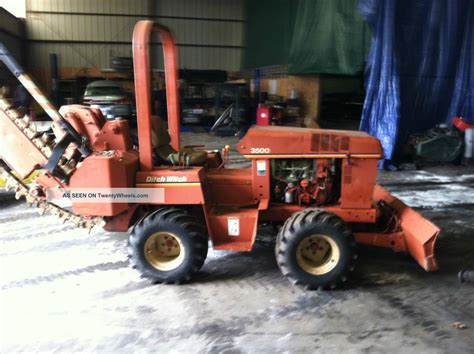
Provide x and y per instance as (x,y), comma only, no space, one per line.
(462,124)
(264,114)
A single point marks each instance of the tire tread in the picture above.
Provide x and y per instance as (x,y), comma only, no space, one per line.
(295,223)
(191,227)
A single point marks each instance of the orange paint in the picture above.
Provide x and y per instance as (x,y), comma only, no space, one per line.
(232,201)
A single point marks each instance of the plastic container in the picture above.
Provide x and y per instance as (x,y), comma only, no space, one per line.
(469,143)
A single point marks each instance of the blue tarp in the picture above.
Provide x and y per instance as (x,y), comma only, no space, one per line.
(420,69)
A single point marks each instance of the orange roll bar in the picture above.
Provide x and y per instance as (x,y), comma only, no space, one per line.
(141,69)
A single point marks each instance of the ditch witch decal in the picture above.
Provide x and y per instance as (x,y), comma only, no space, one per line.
(166,179)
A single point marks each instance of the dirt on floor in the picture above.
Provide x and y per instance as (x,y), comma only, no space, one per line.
(63,289)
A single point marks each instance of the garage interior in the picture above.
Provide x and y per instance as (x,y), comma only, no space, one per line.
(278,69)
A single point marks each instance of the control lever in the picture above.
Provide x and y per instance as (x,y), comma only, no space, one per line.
(225,156)
(171,158)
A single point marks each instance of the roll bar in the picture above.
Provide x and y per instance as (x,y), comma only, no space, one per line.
(141,69)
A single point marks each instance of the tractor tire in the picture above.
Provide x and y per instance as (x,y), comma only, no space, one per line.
(315,249)
(168,246)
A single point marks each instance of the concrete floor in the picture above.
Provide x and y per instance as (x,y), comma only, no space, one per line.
(65,290)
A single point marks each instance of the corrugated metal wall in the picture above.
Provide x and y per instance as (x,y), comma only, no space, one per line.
(11,33)
(89,33)
(12,36)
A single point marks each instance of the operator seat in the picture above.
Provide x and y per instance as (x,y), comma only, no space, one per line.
(163,150)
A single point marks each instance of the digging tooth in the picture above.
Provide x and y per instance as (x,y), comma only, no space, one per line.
(38,143)
(4,104)
(45,138)
(21,190)
(9,185)
(46,150)
(30,132)
(21,123)
(67,170)
(13,114)
(30,199)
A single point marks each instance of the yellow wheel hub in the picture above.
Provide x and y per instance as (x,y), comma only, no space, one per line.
(164,251)
(317,254)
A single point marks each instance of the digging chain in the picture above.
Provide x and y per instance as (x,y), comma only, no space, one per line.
(22,190)
(45,144)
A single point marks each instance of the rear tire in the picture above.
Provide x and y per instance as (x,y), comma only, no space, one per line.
(315,249)
(168,246)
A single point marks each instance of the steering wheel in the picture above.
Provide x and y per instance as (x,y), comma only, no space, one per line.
(75,136)
(224,119)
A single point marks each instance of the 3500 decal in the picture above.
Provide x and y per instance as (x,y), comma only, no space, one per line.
(259,150)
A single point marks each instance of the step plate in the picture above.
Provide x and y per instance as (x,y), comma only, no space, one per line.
(232,228)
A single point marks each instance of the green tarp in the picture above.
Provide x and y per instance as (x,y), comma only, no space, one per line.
(310,36)
(269,31)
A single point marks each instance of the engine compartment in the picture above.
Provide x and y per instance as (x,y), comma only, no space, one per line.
(305,181)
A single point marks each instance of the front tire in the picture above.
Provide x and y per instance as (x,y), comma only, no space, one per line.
(315,249)
(168,246)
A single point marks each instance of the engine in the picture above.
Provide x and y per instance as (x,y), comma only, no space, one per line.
(305,181)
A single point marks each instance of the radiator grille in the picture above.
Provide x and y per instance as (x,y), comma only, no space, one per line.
(329,143)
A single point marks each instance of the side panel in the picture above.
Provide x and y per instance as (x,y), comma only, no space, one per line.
(232,229)
(230,187)
(281,212)
(121,222)
(357,183)
(179,185)
(104,171)
(278,140)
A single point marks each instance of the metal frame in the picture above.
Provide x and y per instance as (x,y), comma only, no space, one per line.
(141,69)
